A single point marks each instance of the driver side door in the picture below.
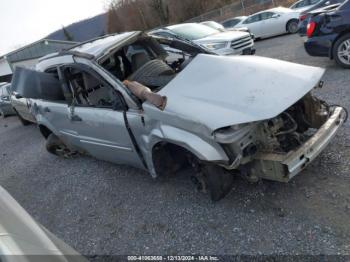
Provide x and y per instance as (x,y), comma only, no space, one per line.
(97,116)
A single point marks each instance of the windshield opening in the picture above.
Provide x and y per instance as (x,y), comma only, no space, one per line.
(194,31)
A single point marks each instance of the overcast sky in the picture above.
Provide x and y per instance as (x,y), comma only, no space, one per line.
(25,21)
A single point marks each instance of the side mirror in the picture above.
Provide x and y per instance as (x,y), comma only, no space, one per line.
(5,98)
(275,16)
(328,3)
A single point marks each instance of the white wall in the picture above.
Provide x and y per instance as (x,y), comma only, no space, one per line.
(5,68)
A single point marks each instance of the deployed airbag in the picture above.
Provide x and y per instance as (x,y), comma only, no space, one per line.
(37,85)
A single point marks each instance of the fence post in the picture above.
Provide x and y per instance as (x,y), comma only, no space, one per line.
(242,2)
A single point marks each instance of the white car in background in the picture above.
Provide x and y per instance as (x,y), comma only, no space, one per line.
(232,22)
(303,5)
(221,43)
(272,22)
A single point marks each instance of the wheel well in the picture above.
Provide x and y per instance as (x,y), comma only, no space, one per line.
(44,131)
(168,158)
(347,31)
(291,20)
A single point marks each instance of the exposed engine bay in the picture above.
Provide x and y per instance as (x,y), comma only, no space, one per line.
(293,127)
(257,149)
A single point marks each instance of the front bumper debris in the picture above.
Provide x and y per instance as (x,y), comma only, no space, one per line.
(281,167)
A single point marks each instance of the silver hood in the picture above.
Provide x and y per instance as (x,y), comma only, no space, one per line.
(216,91)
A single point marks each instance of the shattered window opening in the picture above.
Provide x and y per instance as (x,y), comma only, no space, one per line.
(89,91)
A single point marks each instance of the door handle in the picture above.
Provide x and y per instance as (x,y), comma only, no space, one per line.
(76,118)
(47,110)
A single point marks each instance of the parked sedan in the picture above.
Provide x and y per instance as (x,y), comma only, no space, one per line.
(329,35)
(320,7)
(222,43)
(306,17)
(271,22)
(6,108)
(222,116)
(303,5)
(232,22)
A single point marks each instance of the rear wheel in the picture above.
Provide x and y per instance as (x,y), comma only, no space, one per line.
(56,147)
(341,51)
(292,26)
(23,121)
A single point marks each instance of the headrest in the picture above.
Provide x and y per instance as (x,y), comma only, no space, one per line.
(138,60)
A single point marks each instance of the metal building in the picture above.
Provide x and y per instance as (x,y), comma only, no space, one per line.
(29,55)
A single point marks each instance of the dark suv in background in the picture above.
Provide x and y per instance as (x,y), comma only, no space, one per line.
(329,35)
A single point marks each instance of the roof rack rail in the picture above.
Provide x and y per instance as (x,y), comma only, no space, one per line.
(68,52)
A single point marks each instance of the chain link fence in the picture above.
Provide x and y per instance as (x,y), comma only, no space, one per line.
(240,8)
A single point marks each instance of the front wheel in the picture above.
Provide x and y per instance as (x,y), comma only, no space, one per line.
(56,147)
(293,26)
(219,181)
(341,51)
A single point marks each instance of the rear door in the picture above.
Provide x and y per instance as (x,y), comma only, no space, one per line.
(97,117)
(55,112)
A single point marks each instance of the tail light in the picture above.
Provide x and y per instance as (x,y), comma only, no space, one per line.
(311,26)
(302,17)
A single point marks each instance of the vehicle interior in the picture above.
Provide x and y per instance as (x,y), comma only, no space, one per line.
(90,91)
(147,62)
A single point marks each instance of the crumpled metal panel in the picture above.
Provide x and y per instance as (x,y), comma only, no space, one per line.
(217,91)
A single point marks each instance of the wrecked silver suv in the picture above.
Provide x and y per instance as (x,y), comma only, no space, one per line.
(117,99)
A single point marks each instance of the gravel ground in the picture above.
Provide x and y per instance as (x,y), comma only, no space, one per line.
(101,208)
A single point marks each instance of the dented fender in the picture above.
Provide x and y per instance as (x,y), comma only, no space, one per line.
(203,149)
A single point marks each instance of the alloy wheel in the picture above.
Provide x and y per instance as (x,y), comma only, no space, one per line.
(293,27)
(344,52)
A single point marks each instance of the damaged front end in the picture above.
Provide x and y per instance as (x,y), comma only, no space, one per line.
(279,148)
